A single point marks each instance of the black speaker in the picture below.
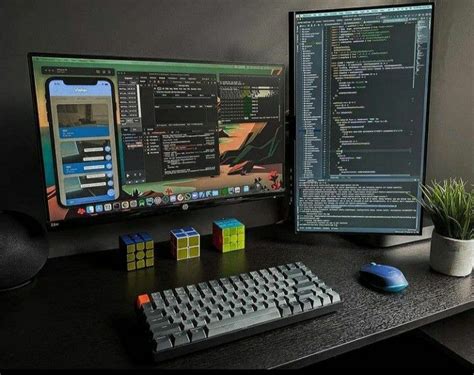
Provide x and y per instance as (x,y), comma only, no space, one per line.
(23,249)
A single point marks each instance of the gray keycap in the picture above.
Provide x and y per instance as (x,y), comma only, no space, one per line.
(183,299)
(284,309)
(165,330)
(171,301)
(269,303)
(199,321)
(315,301)
(236,312)
(280,300)
(191,288)
(186,325)
(290,299)
(224,315)
(197,334)
(180,307)
(259,306)
(153,314)
(180,338)
(168,310)
(304,286)
(243,321)
(325,299)
(194,296)
(157,322)
(228,296)
(303,294)
(295,307)
(236,304)
(213,283)
(258,298)
(300,279)
(203,286)
(162,343)
(247,309)
(212,317)
(217,299)
(306,304)
(193,305)
(335,297)
(176,318)
(292,273)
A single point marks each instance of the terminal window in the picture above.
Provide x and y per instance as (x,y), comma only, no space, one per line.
(361,96)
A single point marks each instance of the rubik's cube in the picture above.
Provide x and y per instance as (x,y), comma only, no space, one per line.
(139,250)
(228,235)
(185,243)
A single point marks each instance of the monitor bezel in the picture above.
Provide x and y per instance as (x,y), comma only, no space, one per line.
(292,115)
(152,211)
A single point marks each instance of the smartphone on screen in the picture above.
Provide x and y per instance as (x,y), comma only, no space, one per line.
(81,113)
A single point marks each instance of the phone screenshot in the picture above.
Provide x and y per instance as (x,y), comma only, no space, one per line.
(81,113)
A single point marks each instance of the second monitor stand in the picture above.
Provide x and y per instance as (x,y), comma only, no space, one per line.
(389,240)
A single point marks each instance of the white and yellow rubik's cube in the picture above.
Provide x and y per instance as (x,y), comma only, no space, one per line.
(185,243)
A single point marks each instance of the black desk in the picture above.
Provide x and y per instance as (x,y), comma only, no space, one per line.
(454,336)
(79,311)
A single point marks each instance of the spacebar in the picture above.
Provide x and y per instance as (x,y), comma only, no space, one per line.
(241,321)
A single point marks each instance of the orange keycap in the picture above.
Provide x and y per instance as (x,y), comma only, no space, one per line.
(142,299)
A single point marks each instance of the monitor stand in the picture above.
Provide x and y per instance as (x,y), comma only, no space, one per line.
(386,240)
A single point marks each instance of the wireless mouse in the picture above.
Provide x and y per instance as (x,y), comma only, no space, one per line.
(383,277)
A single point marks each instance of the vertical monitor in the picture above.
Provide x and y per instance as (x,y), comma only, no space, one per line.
(360,99)
(131,136)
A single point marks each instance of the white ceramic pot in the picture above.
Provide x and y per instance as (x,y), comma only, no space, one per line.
(451,256)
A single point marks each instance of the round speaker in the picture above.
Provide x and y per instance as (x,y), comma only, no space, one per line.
(23,249)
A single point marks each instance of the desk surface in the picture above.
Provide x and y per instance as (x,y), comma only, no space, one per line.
(454,335)
(78,313)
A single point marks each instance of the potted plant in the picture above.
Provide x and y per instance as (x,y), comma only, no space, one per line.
(451,207)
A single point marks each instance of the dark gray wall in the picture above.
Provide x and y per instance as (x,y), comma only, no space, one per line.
(230,30)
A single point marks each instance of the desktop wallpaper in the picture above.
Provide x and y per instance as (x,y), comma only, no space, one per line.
(251,153)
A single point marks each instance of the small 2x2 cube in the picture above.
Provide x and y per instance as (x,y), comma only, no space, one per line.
(228,235)
(138,249)
(185,243)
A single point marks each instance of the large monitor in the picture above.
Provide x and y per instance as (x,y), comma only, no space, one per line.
(133,136)
(360,90)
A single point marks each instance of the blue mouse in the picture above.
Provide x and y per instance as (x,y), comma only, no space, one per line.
(382,277)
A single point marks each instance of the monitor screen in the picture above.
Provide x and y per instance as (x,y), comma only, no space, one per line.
(360,102)
(133,136)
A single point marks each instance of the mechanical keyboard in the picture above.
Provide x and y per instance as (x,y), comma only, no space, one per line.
(196,317)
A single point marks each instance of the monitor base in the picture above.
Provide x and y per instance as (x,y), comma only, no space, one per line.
(388,240)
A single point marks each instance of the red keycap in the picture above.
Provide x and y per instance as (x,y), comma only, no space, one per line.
(142,299)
